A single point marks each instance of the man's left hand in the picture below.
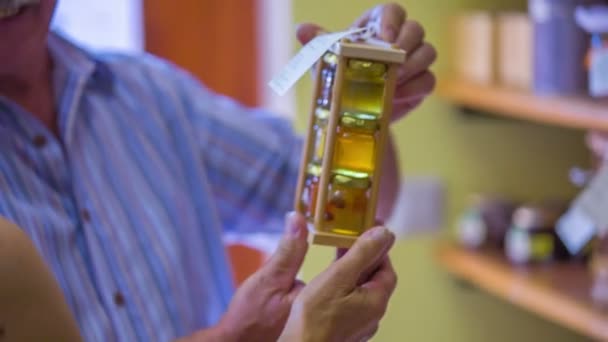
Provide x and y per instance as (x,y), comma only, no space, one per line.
(415,80)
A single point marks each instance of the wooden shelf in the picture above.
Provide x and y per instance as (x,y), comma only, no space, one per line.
(558,292)
(573,112)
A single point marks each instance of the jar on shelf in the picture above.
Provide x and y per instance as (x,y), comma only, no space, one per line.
(532,237)
(560,47)
(347,202)
(363,90)
(355,147)
(485,222)
(594,19)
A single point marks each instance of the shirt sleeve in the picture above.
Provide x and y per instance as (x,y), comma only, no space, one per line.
(251,157)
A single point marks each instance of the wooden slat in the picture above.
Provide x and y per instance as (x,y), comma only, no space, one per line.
(572,112)
(558,292)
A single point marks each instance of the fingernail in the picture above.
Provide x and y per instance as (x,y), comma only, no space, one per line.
(377,233)
(390,34)
(293,228)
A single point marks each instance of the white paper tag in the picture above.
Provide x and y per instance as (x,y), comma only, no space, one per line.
(593,202)
(306,58)
(575,229)
(598,75)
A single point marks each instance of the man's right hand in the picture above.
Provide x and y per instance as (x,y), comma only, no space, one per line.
(260,306)
(347,301)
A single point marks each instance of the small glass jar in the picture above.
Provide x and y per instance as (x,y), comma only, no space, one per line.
(363,90)
(311,189)
(355,147)
(347,203)
(532,237)
(320,135)
(328,74)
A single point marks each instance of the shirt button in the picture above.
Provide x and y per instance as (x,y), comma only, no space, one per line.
(39,141)
(119,299)
(86,215)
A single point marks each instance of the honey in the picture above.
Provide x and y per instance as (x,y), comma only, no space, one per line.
(311,189)
(347,203)
(363,90)
(355,147)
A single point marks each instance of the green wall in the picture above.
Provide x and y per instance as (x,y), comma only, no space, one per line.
(470,153)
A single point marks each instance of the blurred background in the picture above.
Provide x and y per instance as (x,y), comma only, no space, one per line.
(491,247)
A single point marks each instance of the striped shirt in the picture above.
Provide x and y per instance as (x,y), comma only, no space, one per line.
(128,203)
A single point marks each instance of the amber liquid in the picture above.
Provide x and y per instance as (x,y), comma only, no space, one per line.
(363,90)
(355,151)
(346,209)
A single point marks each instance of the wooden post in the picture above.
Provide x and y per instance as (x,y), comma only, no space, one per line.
(383,135)
(307,151)
(330,140)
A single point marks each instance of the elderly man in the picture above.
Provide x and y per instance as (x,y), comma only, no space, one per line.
(123,171)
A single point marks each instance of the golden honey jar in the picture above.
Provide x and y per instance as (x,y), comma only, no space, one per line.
(355,148)
(347,203)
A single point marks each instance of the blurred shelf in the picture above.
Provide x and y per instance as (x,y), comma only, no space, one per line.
(558,292)
(572,112)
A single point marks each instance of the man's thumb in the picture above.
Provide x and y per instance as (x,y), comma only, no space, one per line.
(306,32)
(289,256)
(363,257)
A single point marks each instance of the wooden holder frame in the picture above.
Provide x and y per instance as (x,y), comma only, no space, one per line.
(346,50)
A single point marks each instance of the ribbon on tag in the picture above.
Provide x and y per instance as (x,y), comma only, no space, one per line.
(307,57)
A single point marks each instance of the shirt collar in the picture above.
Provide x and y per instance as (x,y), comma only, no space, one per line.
(70,59)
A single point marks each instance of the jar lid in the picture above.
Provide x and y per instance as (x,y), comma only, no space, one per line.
(368,68)
(534,217)
(330,58)
(368,122)
(351,179)
(322,113)
(313,170)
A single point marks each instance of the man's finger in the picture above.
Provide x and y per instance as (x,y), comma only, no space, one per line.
(307,31)
(392,17)
(363,20)
(286,261)
(364,256)
(418,87)
(418,61)
(411,35)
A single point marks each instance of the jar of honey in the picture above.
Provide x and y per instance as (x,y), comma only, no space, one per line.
(320,135)
(363,90)
(355,147)
(347,202)
(310,191)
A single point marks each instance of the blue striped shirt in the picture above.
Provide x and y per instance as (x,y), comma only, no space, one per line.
(128,203)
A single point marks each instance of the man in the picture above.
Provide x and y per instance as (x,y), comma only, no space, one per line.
(124,170)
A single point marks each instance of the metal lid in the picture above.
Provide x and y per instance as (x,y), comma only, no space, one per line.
(313,170)
(367,68)
(322,113)
(364,121)
(351,179)
(330,58)
(534,217)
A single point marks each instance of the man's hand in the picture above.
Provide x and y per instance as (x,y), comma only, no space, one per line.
(260,307)
(347,301)
(415,80)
